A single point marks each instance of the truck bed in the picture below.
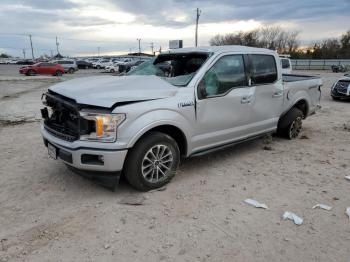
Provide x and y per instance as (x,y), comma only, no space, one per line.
(298,87)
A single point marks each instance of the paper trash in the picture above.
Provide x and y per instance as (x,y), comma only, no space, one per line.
(255,203)
(347,178)
(322,206)
(289,215)
(348,211)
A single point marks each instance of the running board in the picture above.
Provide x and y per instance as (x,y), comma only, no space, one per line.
(218,148)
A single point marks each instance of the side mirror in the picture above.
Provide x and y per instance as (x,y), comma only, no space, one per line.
(202,92)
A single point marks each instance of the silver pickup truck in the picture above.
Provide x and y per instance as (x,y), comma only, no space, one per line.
(184,102)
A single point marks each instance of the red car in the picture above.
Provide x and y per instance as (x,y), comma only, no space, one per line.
(42,68)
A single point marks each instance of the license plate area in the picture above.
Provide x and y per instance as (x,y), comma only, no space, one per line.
(52,151)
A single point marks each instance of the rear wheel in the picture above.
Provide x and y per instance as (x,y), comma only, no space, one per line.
(71,70)
(152,162)
(290,125)
(112,70)
(58,73)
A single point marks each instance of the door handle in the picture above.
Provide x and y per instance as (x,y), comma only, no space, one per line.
(277,94)
(246,99)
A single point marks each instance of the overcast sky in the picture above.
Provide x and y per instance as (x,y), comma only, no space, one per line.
(114,25)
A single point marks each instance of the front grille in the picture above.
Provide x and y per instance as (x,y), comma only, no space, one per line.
(342,86)
(64,120)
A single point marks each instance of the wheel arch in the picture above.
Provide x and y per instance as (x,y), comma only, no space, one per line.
(171,130)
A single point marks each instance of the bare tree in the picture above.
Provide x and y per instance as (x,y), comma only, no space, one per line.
(271,37)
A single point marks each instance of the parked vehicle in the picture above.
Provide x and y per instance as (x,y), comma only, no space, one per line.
(83,64)
(25,62)
(69,66)
(341,88)
(112,68)
(142,123)
(102,63)
(44,68)
(11,61)
(338,68)
(286,65)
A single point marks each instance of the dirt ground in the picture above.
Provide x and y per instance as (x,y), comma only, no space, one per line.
(47,213)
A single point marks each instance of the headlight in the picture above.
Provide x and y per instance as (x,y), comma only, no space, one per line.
(105,126)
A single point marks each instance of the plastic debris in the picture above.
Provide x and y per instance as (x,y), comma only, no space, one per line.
(291,216)
(347,178)
(322,206)
(348,211)
(255,203)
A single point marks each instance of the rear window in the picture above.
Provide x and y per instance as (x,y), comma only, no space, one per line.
(263,69)
(285,63)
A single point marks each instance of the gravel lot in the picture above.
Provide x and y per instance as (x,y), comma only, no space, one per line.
(50,214)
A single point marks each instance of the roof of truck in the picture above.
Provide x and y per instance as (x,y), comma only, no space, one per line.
(221,49)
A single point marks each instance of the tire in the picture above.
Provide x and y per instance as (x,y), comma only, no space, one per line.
(335,98)
(86,67)
(112,71)
(58,73)
(290,125)
(31,72)
(152,162)
(71,70)
(98,67)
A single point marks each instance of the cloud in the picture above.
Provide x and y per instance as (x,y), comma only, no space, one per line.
(114,25)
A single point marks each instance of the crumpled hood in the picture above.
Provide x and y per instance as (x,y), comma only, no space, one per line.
(105,91)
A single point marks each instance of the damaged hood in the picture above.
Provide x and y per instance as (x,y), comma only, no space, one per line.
(105,91)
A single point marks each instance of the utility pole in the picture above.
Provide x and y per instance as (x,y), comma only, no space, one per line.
(51,53)
(139,39)
(152,47)
(197,19)
(57,45)
(98,51)
(31,45)
(24,53)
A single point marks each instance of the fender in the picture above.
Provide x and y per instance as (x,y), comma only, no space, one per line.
(145,122)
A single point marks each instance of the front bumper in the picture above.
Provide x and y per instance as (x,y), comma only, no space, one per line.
(86,158)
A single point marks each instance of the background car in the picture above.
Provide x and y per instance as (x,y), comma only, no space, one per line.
(112,68)
(83,64)
(69,65)
(341,88)
(25,62)
(43,68)
(102,63)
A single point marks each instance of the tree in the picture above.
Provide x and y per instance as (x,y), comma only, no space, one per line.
(3,55)
(271,37)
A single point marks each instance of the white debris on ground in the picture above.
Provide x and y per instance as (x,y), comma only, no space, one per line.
(255,203)
(348,211)
(322,206)
(347,178)
(291,216)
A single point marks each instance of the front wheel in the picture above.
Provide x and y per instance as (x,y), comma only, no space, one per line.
(71,70)
(152,162)
(290,125)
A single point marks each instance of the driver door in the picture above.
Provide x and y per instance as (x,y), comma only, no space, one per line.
(224,104)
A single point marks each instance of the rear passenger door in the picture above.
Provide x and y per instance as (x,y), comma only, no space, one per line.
(268,100)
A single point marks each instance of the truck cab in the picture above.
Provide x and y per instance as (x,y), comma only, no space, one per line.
(183,103)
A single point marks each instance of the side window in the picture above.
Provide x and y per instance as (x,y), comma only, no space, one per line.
(227,73)
(285,63)
(263,69)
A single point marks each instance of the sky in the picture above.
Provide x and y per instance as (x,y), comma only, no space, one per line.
(113,26)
